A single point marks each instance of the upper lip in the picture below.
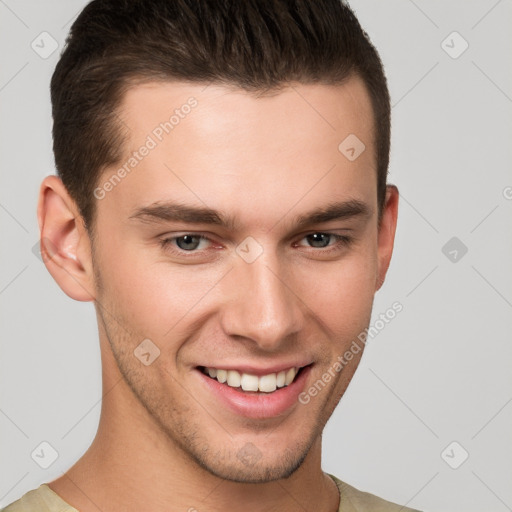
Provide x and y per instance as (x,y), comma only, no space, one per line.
(253,370)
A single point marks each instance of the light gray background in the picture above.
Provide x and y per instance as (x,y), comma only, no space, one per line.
(438,373)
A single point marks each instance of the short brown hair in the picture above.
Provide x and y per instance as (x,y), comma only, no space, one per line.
(257,45)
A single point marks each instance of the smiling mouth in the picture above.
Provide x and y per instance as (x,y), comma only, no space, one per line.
(252,383)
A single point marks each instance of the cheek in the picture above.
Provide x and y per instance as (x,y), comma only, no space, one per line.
(152,295)
(341,293)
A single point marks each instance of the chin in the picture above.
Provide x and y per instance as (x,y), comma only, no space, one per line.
(248,465)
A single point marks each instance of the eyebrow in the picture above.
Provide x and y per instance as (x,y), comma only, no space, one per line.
(177,212)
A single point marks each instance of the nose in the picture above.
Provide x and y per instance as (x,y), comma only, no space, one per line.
(260,304)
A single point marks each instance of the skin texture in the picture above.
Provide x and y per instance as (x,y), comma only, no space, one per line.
(164,442)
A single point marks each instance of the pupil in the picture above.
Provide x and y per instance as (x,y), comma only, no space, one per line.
(187,242)
(319,239)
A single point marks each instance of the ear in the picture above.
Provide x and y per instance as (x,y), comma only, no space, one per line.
(65,244)
(386,235)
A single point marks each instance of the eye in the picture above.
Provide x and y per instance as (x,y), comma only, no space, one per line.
(321,240)
(188,242)
(318,239)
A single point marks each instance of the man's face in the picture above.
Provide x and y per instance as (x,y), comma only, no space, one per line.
(260,292)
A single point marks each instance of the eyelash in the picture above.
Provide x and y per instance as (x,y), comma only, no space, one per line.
(341,241)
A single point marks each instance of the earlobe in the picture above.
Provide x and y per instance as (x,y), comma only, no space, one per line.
(386,235)
(65,244)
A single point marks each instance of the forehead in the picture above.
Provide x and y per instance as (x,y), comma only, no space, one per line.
(235,150)
(319,108)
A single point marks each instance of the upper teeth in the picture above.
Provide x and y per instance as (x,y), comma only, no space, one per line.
(248,382)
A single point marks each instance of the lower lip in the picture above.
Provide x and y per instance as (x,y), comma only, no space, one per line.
(257,405)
